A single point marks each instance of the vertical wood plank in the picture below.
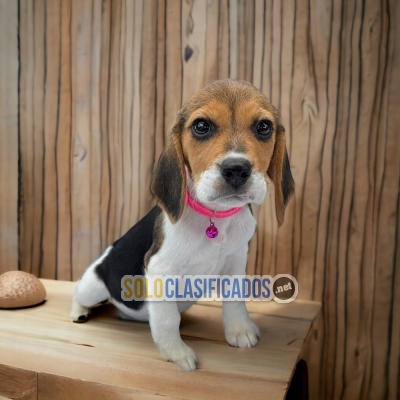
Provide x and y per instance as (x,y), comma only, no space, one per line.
(85,190)
(95,127)
(211,42)
(113,130)
(284,256)
(104,132)
(233,39)
(63,149)
(126,106)
(148,86)
(259,29)
(392,249)
(32,78)
(26,149)
(326,25)
(194,24)
(160,89)
(223,40)
(137,93)
(385,207)
(246,32)
(9,67)
(51,113)
(173,62)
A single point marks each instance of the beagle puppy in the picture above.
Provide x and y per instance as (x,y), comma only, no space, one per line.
(225,142)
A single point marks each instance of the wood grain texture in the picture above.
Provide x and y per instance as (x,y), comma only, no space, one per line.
(109,354)
(9,67)
(17,383)
(99,85)
(53,387)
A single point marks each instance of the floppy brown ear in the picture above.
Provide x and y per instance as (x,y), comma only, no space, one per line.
(169,180)
(280,174)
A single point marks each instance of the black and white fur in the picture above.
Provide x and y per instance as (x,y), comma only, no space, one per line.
(197,255)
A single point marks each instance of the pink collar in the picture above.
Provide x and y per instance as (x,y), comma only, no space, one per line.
(209,213)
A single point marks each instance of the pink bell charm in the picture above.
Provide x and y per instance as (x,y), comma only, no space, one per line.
(212,231)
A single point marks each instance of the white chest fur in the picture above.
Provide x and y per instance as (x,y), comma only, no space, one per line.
(186,250)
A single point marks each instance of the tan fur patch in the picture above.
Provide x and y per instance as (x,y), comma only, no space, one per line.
(200,155)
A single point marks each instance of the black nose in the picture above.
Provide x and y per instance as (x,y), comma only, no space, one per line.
(236,172)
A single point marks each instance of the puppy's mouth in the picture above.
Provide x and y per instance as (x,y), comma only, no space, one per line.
(220,190)
(245,197)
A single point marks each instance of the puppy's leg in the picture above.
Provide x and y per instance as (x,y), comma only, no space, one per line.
(240,330)
(164,323)
(79,313)
(89,291)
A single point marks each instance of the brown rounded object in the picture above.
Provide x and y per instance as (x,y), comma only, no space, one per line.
(20,289)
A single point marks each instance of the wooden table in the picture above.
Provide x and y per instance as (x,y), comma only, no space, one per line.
(45,356)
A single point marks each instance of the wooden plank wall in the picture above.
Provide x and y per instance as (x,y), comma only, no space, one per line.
(8,136)
(97,88)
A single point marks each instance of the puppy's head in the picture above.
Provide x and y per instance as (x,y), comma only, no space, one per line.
(226,140)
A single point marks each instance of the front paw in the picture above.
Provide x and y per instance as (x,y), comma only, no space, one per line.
(182,355)
(243,335)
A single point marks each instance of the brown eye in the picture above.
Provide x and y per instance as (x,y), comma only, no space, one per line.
(201,128)
(264,129)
